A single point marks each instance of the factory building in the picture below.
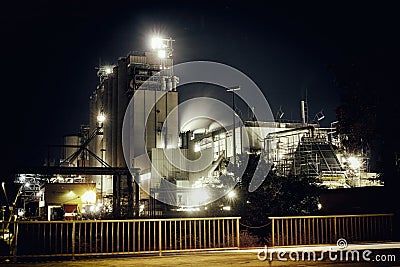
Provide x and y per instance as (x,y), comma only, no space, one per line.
(117,84)
(95,154)
(291,148)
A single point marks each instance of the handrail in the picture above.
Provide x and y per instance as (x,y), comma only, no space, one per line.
(132,220)
(331,216)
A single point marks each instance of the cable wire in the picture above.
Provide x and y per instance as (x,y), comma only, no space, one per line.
(255,227)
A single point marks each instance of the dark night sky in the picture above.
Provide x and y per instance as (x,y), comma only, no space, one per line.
(49,52)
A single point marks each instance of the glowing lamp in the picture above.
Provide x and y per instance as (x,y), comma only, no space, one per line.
(231,194)
(101,117)
(108,70)
(354,162)
(89,197)
(157,43)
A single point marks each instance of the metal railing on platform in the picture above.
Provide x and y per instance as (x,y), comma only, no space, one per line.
(310,230)
(107,237)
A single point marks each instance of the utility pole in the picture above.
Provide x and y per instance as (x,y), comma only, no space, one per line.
(233,89)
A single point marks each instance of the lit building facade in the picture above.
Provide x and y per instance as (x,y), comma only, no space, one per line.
(156,97)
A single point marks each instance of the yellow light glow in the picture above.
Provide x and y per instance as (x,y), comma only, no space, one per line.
(89,197)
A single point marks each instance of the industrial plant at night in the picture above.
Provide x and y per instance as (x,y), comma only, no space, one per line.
(199,133)
(93,161)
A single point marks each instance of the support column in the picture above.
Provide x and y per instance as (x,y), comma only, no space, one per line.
(130,195)
(137,192)
(116,196)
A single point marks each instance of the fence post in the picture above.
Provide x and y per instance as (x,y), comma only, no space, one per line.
(73,240)
(238,232)
(159,238)
(273,232)
(335,229)
(16,224)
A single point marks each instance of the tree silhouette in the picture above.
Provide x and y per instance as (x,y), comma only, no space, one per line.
(277,195)
(369,111)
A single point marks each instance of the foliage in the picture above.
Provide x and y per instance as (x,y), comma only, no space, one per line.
(357,113)
(369,109)
(277,195)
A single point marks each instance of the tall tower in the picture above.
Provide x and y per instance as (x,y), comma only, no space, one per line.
(117,85)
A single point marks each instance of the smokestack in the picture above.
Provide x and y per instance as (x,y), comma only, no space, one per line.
(303,112)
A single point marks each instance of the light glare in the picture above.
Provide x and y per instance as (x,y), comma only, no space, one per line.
(354,162)
(232,194)
(89,197)
(157,43)
(101,117)
(108,70)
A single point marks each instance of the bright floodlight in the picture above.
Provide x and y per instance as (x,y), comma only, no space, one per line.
(231,194)
(101,117)
(89,197)
(157,43)
(354,162)
(162,54)
(108,70)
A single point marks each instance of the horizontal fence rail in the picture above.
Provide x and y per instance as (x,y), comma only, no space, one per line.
(319,230)
(106,237)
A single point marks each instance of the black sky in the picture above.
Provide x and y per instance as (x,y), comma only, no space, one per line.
(49,51)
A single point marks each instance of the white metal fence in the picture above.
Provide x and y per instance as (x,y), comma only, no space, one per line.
(113,237)
(309,230)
